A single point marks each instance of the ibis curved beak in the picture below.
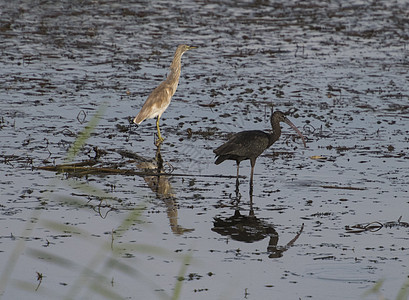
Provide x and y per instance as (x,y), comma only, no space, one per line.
(296,130)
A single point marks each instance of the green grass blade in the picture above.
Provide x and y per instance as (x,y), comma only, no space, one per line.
(404,291)
(84,135)
(179,281)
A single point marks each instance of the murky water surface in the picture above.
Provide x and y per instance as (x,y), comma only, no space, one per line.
(340,68)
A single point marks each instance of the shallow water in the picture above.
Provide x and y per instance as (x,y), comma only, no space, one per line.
(339,68)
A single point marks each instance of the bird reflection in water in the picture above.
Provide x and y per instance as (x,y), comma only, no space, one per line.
(163,189)
(250,229)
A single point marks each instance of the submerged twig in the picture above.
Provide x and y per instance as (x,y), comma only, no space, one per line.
(39,279)
(85,169)
(98,208)
(375,226)
(396,223)
(343,187)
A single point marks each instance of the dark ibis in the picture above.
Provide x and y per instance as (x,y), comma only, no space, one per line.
(250,144)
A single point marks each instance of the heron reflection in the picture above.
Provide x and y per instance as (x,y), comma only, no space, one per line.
(163,189)
(160,185)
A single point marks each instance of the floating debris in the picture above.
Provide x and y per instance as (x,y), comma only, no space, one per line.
(375,226)
(343,187)
(318,157)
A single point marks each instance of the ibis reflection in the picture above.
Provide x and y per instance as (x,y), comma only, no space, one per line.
(250,229)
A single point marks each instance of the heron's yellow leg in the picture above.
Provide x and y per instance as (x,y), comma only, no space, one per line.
(160,138)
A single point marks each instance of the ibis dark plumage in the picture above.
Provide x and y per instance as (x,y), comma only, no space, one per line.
(250,144)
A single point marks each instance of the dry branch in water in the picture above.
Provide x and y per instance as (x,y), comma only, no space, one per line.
(87,168)
(375,226)
(343,187)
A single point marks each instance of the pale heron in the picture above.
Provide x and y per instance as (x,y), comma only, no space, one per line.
(159,100)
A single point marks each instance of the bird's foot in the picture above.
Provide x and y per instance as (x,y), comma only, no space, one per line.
(159,141)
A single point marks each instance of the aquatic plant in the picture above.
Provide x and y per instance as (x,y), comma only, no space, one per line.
(403,293)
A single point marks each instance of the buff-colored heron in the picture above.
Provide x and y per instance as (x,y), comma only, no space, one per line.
(159,100)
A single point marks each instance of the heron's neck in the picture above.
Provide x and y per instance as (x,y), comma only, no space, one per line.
(175,67)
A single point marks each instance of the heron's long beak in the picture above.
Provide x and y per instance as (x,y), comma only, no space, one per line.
(191,47)
(296,130)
